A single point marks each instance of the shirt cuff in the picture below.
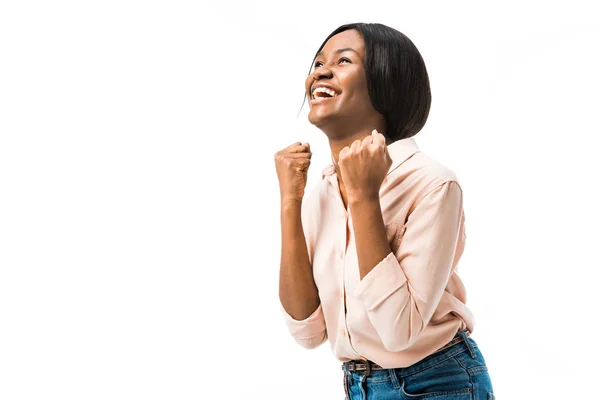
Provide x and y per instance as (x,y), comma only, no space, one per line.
(380,283)
(308,328)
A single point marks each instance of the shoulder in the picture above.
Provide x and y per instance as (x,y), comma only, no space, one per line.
(434,173)
(420,175)
(431,171)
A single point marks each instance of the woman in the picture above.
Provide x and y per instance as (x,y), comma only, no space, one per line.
(369,257)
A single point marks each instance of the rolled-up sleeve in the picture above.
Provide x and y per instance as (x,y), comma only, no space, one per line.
(309,333)
(401,293)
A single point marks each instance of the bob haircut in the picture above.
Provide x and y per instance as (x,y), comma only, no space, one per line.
(397,79)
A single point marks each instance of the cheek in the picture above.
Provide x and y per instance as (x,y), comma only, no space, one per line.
(358,98)
(356,87)
(362,87)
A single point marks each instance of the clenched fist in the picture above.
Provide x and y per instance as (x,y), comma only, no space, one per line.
(364,165)
(292,166)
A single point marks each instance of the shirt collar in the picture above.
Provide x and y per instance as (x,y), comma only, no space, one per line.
(400,151)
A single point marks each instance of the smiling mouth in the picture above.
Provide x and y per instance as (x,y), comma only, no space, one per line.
(323,93)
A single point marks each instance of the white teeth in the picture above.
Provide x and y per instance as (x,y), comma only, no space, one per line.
(325,90)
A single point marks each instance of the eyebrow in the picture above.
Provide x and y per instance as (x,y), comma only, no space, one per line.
(319,54)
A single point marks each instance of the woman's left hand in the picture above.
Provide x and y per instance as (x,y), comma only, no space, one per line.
(364,165)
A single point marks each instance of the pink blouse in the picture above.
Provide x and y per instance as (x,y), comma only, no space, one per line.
(413,302)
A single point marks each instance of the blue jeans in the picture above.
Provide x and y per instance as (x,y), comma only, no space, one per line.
(458,372)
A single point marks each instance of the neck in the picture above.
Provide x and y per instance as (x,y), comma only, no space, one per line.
(338,140)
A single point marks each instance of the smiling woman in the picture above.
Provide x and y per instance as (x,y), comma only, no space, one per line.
(369,258)
(386,69)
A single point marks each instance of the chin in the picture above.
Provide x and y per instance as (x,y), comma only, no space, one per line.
(314,120)
(319,119)
(319,122)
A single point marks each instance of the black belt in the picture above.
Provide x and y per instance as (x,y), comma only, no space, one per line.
(368,365)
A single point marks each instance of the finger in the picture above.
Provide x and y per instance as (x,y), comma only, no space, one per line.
(293,145)
(298,148)
(298,163)
(302,165)
(343,153)
(298,155)
(378,138)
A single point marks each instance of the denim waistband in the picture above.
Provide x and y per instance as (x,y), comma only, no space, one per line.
(466,344)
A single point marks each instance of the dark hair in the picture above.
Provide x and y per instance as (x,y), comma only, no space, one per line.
(397,79)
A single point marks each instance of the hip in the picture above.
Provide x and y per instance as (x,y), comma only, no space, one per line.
(457,371)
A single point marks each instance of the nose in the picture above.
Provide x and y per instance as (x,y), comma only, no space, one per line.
(322,73)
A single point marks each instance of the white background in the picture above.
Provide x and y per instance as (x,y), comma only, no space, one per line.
(139,208)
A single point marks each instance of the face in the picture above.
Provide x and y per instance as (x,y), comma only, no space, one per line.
(337,86)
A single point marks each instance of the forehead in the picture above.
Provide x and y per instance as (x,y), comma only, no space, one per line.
(347,39)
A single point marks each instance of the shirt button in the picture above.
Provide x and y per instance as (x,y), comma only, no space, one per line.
(341,255)
(342,331)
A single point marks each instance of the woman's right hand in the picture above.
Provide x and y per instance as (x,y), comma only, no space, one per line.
(292,166)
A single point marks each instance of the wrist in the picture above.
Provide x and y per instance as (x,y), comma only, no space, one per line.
(291,201)
(355,197)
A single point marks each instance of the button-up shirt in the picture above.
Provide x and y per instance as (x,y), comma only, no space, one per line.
(412,302)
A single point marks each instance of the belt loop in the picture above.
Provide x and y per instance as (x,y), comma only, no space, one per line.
(394,378)
(463,333)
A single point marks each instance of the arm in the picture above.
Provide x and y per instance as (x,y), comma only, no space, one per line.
(401,291)
(298,293)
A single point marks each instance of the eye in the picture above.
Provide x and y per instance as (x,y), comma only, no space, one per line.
(345,59)
(318,64)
